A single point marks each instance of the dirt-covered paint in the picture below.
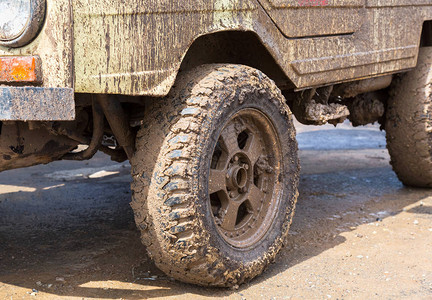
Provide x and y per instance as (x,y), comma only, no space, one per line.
(317,17)
(227,15)
(136,48)
(53,45)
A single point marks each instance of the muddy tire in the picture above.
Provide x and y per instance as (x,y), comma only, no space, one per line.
(409,124)
(216,175)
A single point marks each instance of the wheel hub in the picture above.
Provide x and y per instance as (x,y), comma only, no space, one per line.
(243,178)
(238,175)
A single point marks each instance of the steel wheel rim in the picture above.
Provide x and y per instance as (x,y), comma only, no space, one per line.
(243,185)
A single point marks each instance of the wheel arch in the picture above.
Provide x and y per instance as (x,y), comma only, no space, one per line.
(426,35)
(235,47)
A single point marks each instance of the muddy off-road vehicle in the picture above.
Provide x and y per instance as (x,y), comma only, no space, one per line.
(199,96)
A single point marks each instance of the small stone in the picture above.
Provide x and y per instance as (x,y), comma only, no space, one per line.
(61,279)
(33,292)
(359,256)
(38,283)
(416,222)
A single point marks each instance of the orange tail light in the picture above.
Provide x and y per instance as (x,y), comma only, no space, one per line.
(25,69)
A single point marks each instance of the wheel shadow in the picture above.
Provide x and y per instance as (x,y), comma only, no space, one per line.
(79,240)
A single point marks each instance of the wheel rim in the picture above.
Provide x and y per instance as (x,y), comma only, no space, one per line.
(244,175)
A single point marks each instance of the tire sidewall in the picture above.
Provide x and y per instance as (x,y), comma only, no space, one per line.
(214,122)
(408,121)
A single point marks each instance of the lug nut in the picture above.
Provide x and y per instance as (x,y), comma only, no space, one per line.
(236,158)
(231,194)
(246,167)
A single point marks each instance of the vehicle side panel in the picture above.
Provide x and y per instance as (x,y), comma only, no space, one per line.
(136,47)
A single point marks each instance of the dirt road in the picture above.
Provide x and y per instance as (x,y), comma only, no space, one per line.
(67,231)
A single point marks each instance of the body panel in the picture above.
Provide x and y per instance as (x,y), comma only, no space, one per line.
(136,48)
(303,18)
(139,45)
(53,45)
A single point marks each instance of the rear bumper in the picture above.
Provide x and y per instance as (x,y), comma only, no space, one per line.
(36,104)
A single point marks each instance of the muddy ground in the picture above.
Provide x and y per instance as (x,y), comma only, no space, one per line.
(67,231)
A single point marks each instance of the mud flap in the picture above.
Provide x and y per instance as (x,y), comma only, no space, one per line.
(36,104)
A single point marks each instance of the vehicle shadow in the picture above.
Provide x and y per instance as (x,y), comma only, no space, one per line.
(79,240)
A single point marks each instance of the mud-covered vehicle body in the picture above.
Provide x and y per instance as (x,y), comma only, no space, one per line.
(199,96)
